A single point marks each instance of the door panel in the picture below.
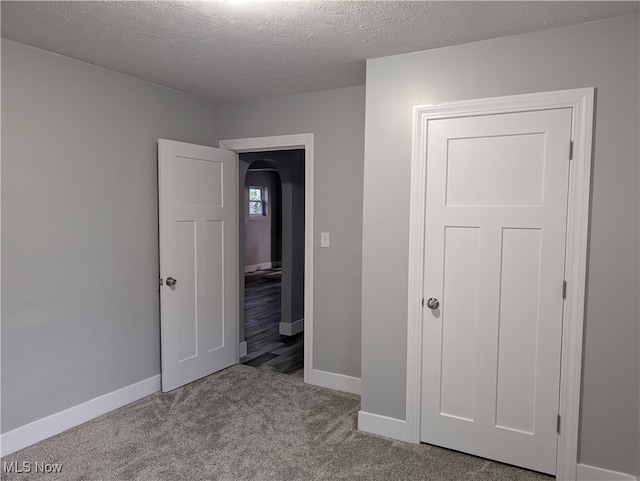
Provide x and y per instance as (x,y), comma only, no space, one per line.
(459,337)
(496,207)
(215,278)
(495,170)
(198,249)
(187,321)
(518,329)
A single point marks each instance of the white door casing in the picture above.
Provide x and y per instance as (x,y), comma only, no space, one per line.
(580,102)
(496,204)
(288,142)
(197,222)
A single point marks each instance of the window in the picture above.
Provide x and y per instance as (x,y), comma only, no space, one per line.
(257,201)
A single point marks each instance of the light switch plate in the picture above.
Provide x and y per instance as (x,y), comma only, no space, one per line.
(324,239)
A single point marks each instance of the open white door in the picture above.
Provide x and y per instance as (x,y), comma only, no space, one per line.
(197,261)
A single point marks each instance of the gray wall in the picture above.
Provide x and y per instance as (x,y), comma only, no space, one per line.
(603,55)
(336,117)
(80,304)
(262,233)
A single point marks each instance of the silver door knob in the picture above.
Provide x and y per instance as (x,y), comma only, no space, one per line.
(432,303)
(171,281)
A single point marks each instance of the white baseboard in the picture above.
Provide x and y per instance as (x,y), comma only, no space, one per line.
(338,382)
(291,328)
(242,349)
(44,428)
(591,473)
(262,266)
(382,425)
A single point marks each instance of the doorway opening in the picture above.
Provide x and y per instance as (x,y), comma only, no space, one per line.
(272,238)
(270,144)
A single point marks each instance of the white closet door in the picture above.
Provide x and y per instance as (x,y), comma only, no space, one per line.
(495,230)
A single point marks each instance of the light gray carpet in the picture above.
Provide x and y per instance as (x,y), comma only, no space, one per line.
(246,424)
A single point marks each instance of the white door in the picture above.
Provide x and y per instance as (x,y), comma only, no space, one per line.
(197,261)
(495,229)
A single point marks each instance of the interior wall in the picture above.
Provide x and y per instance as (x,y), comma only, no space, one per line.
(80,303)
(262,233)
(336,117)
(602,54)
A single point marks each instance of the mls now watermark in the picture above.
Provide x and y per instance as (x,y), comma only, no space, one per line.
(29,467)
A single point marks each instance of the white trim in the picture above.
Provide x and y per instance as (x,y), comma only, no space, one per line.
(291,328)
(591,473)
(288,142)
(44,428)
(260,267)
(337,382)
(382,425)
(581,102)
(242,349)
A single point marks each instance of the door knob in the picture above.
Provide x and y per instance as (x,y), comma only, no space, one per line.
(171,281)
(432,302)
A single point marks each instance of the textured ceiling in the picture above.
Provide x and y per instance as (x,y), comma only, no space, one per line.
(232,50)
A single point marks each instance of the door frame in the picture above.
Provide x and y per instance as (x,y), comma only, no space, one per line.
(288,142)
(581,101)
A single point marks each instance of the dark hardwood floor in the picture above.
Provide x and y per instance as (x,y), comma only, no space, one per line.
(266,348)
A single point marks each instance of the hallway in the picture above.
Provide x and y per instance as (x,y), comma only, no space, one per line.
(266,348)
